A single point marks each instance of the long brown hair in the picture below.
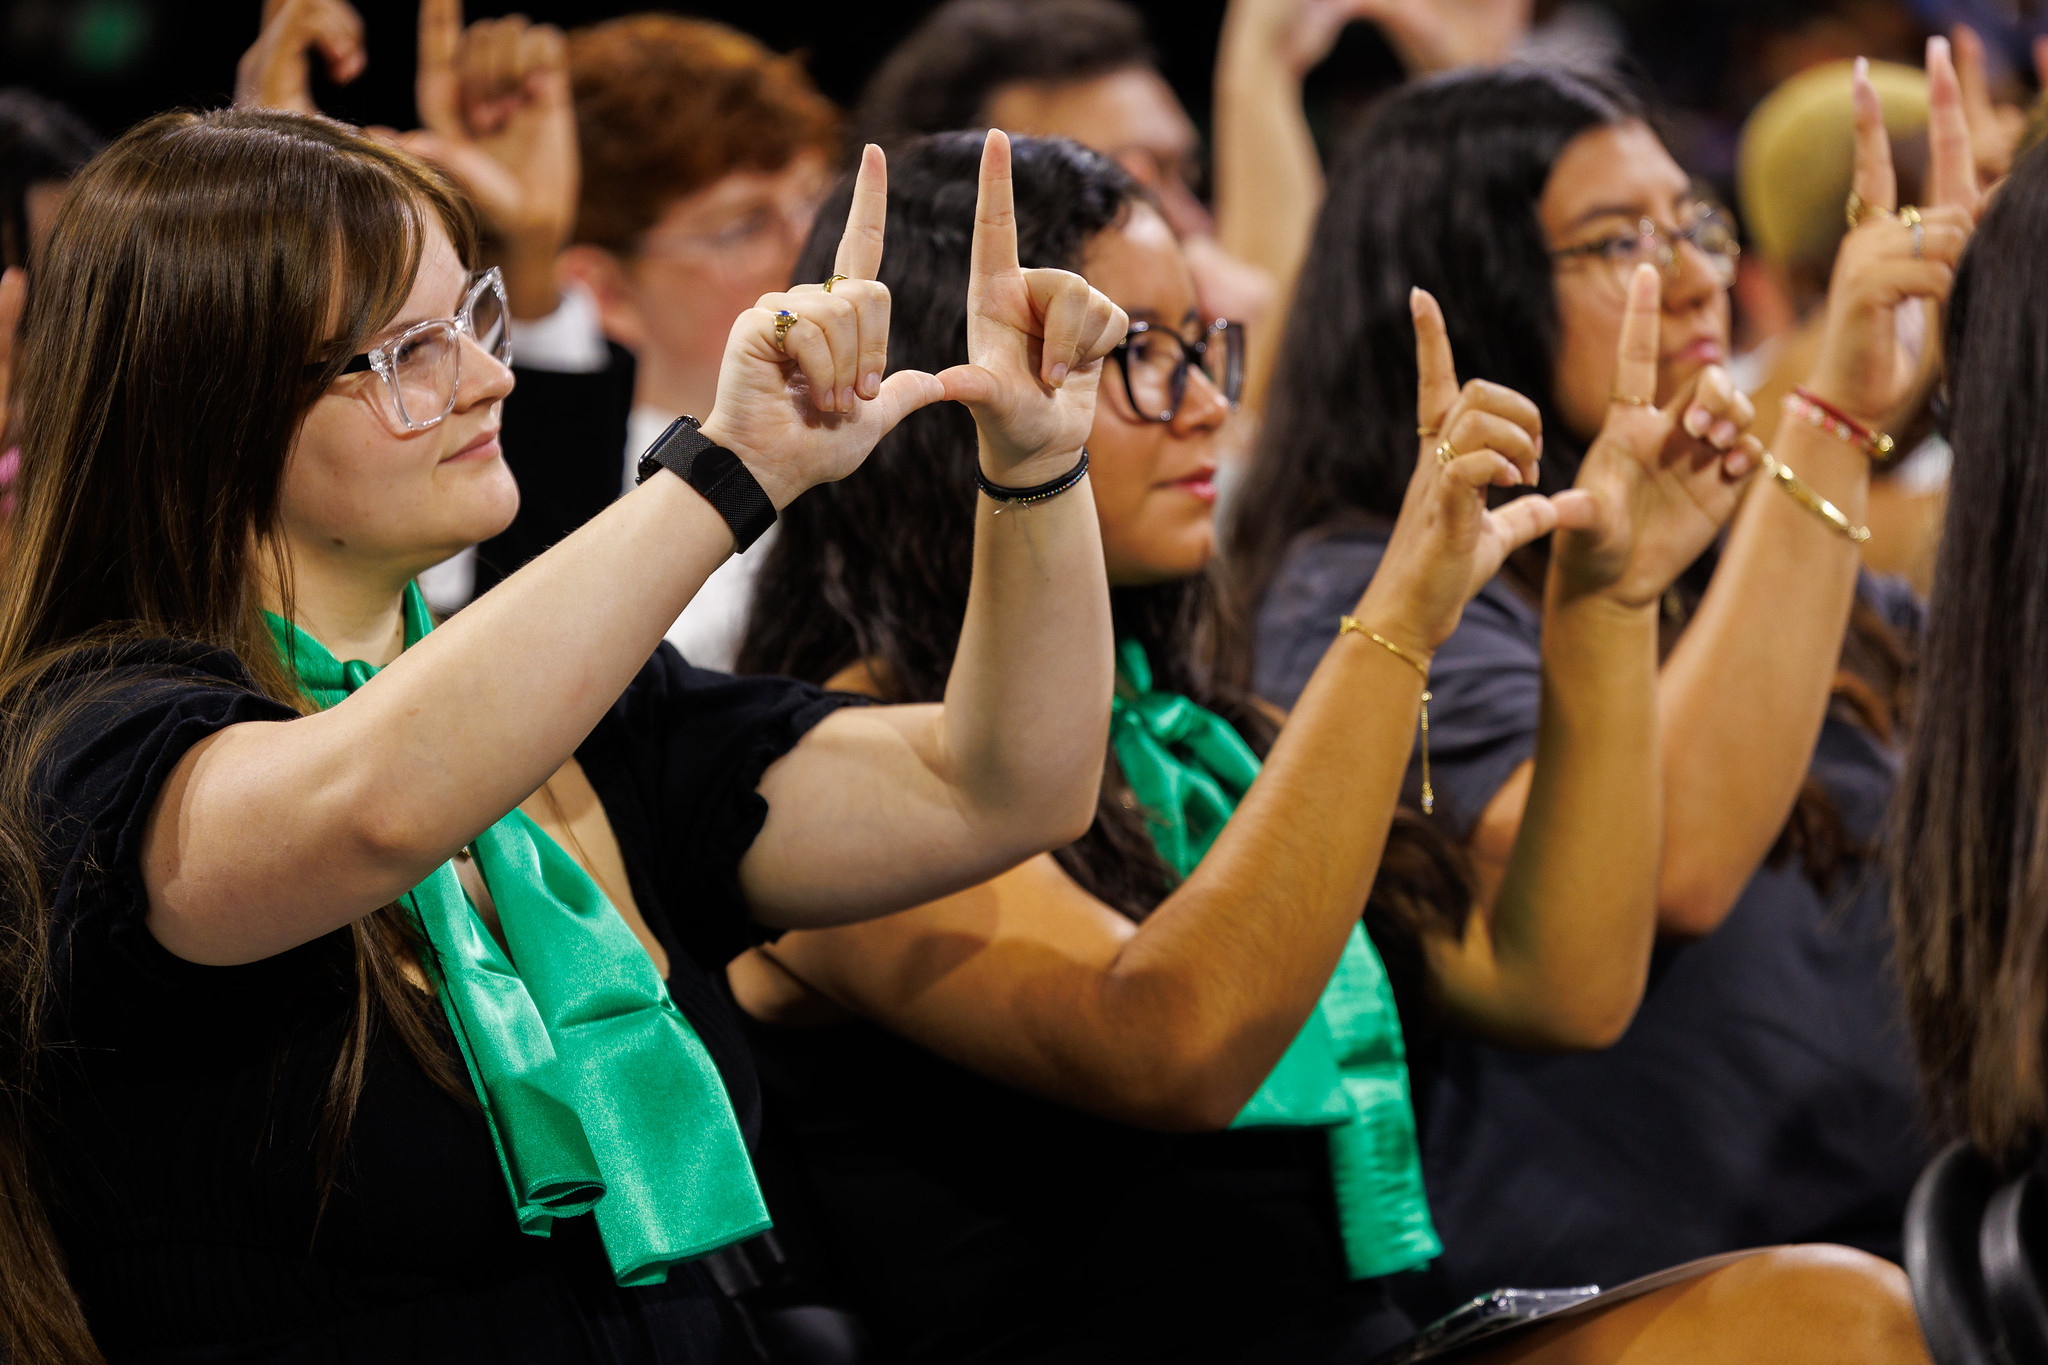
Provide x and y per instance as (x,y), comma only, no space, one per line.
(1970,834)
(207,277)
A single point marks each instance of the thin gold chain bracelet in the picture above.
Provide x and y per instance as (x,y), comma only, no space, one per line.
(1349,624)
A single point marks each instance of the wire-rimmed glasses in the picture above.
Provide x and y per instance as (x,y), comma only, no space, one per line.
(422,366)
(1155,361)
(1708,229)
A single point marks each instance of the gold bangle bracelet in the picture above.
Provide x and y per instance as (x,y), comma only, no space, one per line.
(1349,624)
(1803,493)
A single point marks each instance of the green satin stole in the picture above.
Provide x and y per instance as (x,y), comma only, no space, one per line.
(597,1092)
(1347,1070)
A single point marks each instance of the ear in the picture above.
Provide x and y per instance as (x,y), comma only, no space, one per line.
(610,282)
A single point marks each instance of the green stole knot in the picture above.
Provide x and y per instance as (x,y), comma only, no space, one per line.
(597,1092)
(1347,1070)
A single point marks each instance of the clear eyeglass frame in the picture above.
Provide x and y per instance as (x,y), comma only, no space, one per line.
(1146,364)
(1710,232)
(422,366)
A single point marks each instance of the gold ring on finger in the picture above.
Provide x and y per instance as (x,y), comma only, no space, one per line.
(784,320)
(1425,432)
(1444,453)
(1630,400)
(834,280)
(1910,216)
(1857,209)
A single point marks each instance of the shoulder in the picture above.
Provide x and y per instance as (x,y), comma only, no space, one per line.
(111,710)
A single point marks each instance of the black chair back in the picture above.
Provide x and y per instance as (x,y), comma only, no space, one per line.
(1974,1245)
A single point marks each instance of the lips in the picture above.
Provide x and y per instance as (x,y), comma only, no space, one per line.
(1699,351)
(483,447)
(1200,484)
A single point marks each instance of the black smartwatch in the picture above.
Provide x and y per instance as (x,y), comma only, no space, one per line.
(724,480)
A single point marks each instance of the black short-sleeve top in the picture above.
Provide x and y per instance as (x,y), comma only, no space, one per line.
(1765,1091)
(184,1100)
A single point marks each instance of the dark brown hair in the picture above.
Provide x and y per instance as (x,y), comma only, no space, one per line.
(1970,838)
(942,76)
(666,106)
(207,277)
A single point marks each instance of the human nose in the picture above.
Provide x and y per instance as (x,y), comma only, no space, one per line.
(1690,278)
(483,378)
(1203,405)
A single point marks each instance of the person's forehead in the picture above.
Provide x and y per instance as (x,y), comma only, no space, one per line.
(437,289)
(743,190)
(1623,167)
(1130,108)
(1139,265)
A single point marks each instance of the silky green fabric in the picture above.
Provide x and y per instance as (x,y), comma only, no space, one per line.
(597,1091)
(1347,1070)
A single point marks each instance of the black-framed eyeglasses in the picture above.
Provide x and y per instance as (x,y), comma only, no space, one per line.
(422,366)
(1708,229)
(1155,362)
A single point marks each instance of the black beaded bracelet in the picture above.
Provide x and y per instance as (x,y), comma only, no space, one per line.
(1037,492)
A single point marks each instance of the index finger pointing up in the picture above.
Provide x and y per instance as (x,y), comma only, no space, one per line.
(1951,163)
(437,92)
(1635,360)
(1873,180)
(995,211)
(860,246)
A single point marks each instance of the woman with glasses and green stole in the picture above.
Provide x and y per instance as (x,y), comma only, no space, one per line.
(362,972)
(1147,1097)
(1765,1091)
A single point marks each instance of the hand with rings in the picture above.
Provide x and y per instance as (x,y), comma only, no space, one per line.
(801,397)
(1659,482)
(1447,542)
(1895,257)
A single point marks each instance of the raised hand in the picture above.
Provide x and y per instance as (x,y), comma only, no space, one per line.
(1035,344)
(1885,261)
(807,407)
(1995,129)
(1447,542)
(1657,484)
(275,73)
(495,101)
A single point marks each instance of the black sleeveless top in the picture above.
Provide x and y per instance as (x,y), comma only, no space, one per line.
(962,1220)
(183,1099)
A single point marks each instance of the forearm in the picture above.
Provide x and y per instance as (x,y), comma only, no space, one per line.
(1269,180)
(1560,959)
(285,832)
(1025,722)
(1221,977)
(1744,693)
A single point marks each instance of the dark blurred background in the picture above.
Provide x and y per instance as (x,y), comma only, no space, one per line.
(1707,61)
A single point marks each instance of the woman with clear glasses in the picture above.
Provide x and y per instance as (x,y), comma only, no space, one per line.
(360,974)
(1146,1098)
(1764,1092)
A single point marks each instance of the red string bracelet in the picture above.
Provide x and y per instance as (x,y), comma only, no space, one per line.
(1825,416)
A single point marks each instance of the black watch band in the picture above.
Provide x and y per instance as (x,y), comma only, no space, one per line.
(726,483)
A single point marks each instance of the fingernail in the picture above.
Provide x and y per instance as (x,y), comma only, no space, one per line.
(1059,375)
(1723,434)
(1737,464)
(1697,420)
(1937,46)
(822,400)
(846,399)
(1863,68)
(870,384)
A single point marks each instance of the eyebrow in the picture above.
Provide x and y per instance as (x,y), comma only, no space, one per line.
(1606,211)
